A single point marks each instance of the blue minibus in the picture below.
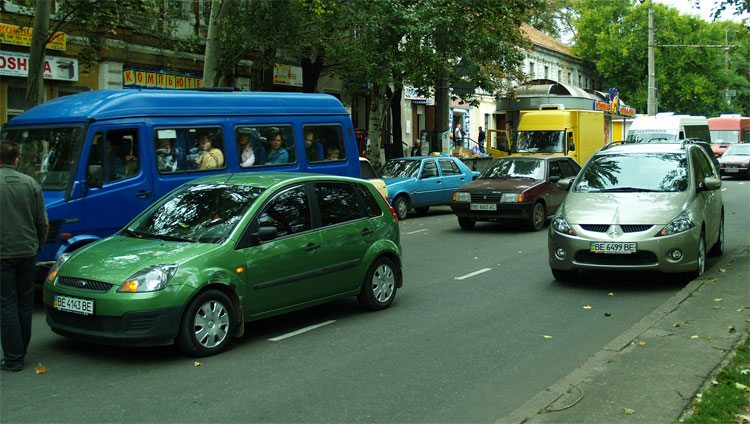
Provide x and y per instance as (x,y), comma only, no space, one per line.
(102,157)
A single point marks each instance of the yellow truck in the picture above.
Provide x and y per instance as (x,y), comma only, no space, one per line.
(575,133)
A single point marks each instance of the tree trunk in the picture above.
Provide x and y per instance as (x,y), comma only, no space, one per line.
(37,51)
(398,146)
(212,75)
(311,73)
(262,70)
(378,106)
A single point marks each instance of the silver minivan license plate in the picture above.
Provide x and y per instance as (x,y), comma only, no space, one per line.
(613,247)
(74,304)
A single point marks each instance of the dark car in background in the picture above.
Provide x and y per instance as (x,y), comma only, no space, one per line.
(735,162)
(520,188)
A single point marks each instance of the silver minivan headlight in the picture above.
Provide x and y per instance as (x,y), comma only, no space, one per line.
(560,225)
(682,223)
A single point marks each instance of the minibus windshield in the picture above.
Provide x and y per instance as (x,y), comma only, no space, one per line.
(48,154)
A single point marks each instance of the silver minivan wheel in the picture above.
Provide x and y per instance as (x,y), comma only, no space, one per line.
(701,260)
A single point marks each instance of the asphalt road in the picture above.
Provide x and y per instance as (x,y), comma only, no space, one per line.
(463,342)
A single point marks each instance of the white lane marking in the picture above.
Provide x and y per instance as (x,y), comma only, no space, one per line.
(471,274)
(301,330)
(417,231)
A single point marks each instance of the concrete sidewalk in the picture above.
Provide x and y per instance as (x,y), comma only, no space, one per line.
(658,366)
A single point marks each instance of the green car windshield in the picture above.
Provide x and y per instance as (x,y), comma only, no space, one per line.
(634,173)
(202,213)
(515,168)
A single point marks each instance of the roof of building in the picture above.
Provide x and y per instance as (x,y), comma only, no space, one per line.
(541,39)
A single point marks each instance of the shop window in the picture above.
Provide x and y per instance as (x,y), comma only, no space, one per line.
(16,99)
(67,90)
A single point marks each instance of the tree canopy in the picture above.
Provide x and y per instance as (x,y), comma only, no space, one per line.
(690,75)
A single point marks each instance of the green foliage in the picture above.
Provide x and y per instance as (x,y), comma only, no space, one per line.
(690,80)
(722,401)
(98,20)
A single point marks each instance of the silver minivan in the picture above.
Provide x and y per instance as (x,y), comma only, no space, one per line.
(651,207)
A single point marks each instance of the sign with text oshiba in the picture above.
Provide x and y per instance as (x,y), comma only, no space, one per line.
(55,68)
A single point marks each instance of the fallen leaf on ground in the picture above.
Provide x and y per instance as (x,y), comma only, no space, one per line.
(694,337)
(476,257)
(714,383)
(731,329)
(41,369)
(587,307)
(708,337)
(718,299)
(197,364)
(676,325)
(547,337)
(642,343)
(611,294)
(607,314)
(714,280)
(742,387)
(628,411)
(722,270)
(745,372)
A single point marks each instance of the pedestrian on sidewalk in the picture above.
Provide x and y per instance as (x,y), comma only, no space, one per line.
(23,230)
(458,136)
(480,140)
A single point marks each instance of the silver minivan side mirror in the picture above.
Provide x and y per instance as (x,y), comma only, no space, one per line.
(565,183)
(711,183)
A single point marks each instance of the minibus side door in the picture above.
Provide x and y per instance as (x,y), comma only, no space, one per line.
(119,186)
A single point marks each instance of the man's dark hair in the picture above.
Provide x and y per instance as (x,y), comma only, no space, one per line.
(9,151)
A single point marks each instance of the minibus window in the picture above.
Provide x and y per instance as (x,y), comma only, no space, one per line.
(189,149)
(324,143)
(265,145)
(48,154)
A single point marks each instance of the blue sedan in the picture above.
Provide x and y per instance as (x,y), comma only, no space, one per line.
(421,182)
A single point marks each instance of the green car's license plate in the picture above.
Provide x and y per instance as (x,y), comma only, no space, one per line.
(74,304)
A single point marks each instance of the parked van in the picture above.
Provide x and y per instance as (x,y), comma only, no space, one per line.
(102,157)
(668,127)
(728,129)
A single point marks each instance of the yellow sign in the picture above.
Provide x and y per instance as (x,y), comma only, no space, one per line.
(21,36)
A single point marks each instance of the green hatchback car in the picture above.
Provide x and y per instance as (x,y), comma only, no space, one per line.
(225,250)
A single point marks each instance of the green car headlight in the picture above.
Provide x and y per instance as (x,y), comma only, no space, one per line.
(682,223)
(56,267)
(149,279)
(462,196)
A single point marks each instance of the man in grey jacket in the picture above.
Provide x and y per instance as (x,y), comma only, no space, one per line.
(23,230)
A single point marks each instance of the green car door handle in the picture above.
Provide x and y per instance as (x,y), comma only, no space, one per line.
(312,246)
(367,231)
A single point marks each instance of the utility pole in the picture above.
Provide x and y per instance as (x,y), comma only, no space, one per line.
(651,106)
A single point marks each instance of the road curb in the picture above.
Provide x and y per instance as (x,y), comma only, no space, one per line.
(595,363)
